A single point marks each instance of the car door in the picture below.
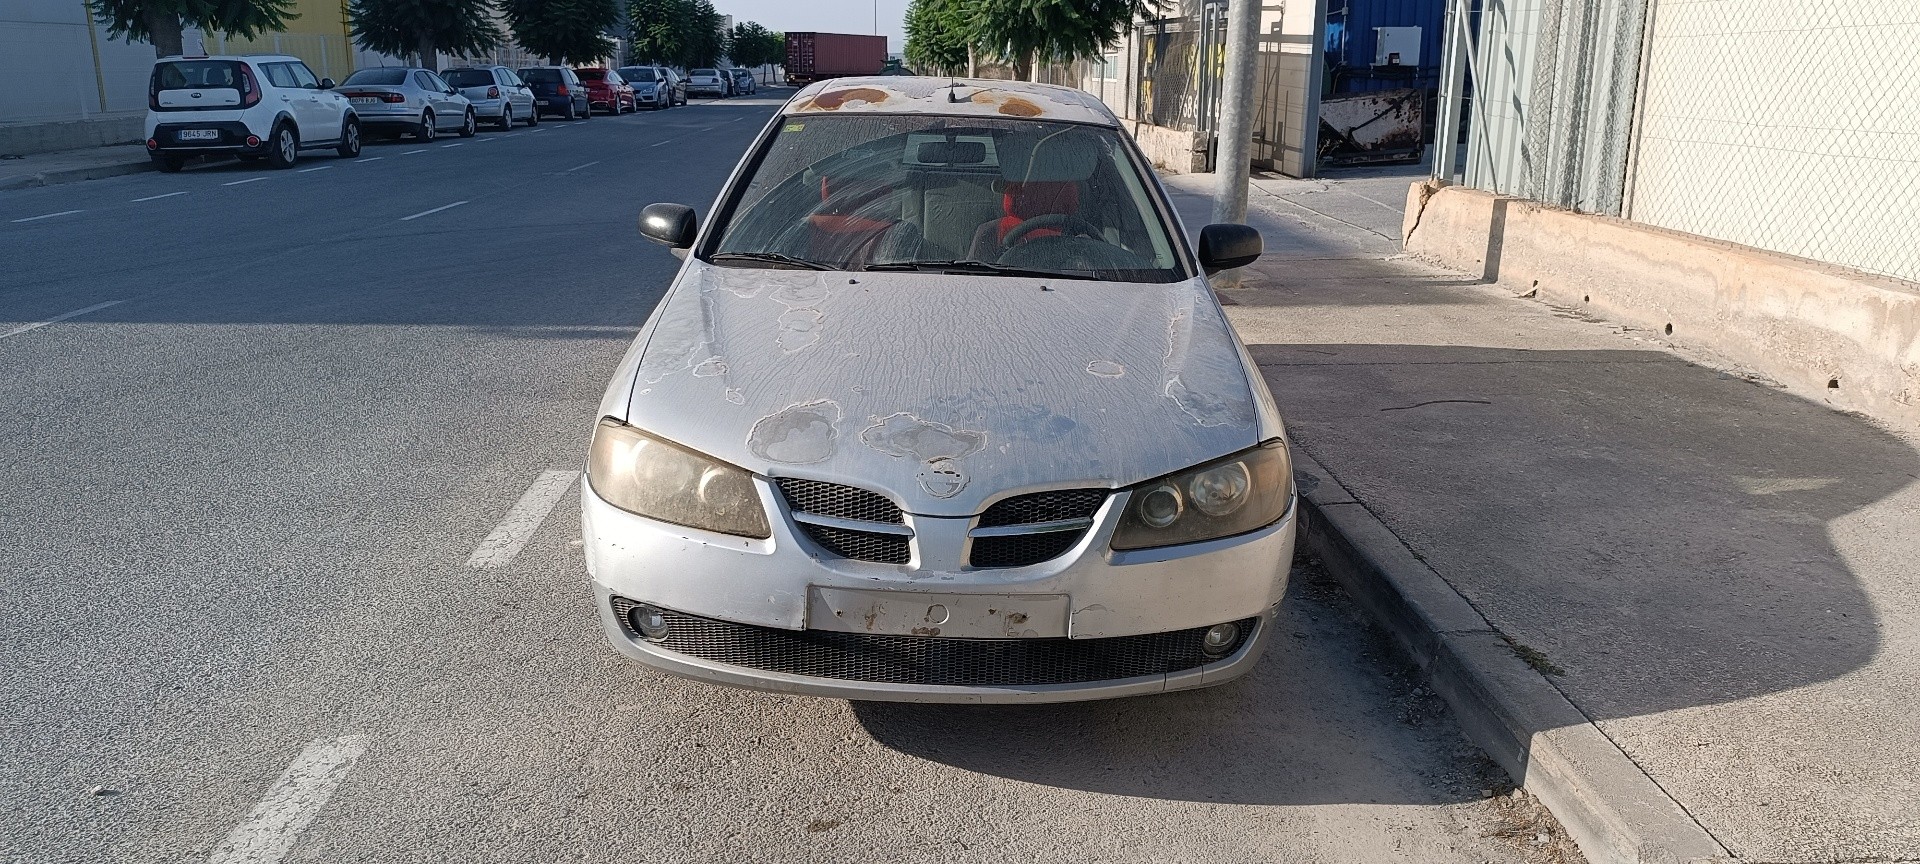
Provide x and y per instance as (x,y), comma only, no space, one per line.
(583,101)
(453,110)
(322,110)
(434,93)
(519,95)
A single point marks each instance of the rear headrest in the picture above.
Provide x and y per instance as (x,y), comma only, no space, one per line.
(1068,154)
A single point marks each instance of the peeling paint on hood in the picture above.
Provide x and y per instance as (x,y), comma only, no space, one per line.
(944,392)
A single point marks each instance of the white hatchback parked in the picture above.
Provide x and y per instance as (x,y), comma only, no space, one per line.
(257,106)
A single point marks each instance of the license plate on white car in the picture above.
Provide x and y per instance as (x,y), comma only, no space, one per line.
(199,134)
(364,100)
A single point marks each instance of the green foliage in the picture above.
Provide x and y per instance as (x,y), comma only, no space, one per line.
(684,33)
(751,45)
(569,31)
(939,32)
(463,28)
(1055,30)
(160,21)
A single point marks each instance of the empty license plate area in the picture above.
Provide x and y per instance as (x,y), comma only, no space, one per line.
(960,616)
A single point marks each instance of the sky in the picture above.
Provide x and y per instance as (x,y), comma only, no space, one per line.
(827,16)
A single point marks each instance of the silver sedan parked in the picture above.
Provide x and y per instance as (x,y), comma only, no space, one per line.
(498,95)
(407,100)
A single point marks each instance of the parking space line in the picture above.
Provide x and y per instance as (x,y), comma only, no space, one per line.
(49,215)
(369,159)
(663,143)
(535,131)
(578,167)
(455,144)
(267,833)
(411,152)
(431,212)
(58,318)
(157,197)
(313,169)
(248,180)
(521,520)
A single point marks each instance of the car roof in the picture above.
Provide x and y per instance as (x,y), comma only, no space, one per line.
(256,57)
(961,97)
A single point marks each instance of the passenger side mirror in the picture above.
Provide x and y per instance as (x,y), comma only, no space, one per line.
(671,224)
(326,84)
(1226,246)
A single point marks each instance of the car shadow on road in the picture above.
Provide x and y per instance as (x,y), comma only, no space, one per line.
(1329,716)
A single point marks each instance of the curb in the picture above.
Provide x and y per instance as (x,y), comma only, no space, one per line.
(75,175)
(1611,808)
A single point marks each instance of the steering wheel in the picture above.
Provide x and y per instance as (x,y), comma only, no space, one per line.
(1070,226)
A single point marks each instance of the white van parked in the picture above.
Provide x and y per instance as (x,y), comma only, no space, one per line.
(256,106)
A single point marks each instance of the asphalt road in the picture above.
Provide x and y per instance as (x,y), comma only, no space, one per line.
(241,487)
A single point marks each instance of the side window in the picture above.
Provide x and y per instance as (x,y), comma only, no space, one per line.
(435,83)
(303,76)
(506,77)
(279,75)
(421,81)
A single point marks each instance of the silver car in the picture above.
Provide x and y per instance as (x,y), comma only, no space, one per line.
(941,407)
(406,100)
(707,82)
(498,95)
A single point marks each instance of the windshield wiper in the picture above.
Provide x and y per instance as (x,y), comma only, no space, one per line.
(769,258)
(981,267)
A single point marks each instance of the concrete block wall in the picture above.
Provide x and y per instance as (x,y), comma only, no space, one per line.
(1843,337)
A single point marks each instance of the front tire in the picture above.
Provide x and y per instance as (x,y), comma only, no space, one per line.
(349,141)
(283,149)
(469,125)
(569,114)
(506,118)
(533,117)
(427,131)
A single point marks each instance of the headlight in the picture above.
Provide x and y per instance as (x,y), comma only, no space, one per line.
(641,474)
(1229,496)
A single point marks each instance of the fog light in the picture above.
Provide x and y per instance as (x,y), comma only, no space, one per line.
(650,622)
(253,140)
(1220,639)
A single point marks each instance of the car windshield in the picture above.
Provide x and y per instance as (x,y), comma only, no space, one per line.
(640,74)
(591,74)
(378,77)
(468,77)
(540,76)
(180,75)
(947,194)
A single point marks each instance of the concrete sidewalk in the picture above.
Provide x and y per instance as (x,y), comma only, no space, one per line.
(68,166)
(1716,584)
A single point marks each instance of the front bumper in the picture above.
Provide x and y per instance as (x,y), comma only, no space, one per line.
(785,584)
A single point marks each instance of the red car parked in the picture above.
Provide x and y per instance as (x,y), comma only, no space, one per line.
(607,91)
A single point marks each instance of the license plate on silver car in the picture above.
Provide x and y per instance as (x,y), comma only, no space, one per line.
(199,134)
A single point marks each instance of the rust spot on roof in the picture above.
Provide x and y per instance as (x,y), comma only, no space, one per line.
(1019,107)
(833,99)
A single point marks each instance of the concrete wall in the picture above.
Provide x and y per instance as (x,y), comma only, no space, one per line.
(1843,337)
(1170,150)
(48,51)
(1785,125)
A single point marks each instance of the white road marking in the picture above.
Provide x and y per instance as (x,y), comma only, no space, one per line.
(248,180)
(431,212)
(313,169)
(663,143)
(532,131)
(157,197)
(521,520)
(578,167)
(58,318)
(48,216)
(411,152)
(455,144)
(266,835)
(369,159)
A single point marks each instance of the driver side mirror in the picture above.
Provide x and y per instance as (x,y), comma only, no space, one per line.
(673,225)
(1226,246)
(326,84)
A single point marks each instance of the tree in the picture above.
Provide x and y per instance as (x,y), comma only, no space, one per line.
(1026,32)
(706,39)
(563,30)
(941,34)
(748,46)
(656,28)
(161,21)
(463,28)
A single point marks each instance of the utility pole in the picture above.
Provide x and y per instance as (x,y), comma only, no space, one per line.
(1235,137)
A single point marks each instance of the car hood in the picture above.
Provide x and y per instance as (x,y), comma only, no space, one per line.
(944,392)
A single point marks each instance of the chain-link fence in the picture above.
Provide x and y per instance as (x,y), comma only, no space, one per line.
(1788,125)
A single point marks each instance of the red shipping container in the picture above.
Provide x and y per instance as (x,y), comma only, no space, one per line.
(813,56)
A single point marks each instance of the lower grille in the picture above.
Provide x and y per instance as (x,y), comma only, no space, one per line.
(933,661)
(860,545)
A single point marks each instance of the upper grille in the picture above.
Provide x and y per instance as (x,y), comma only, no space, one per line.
(1044,507)
(833,499)
(924,660)
(1020,550)
(861,545)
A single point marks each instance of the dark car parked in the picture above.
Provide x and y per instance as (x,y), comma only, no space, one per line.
(556,90)
(654,86)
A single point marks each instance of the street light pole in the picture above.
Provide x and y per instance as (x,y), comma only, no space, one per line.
(1235,157)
